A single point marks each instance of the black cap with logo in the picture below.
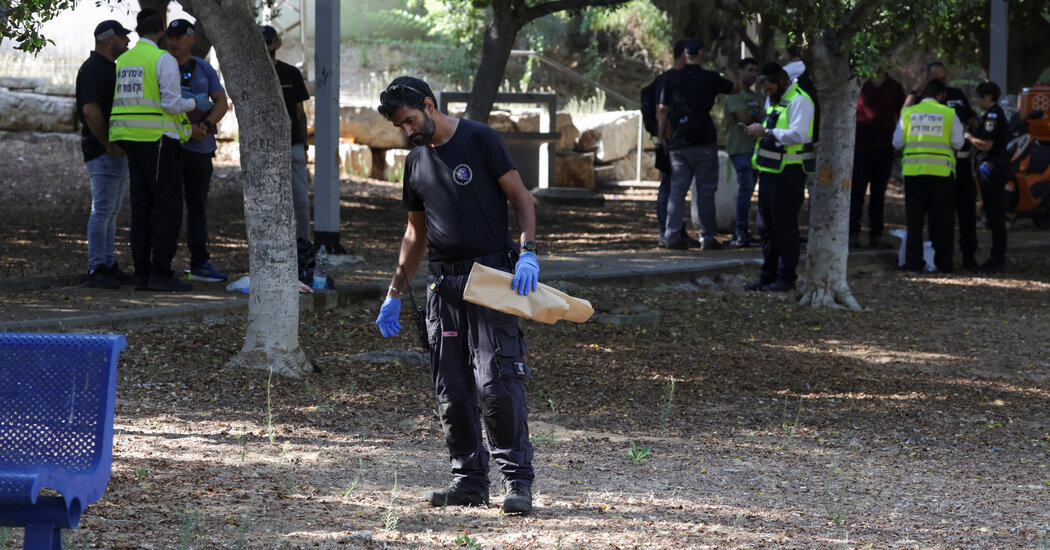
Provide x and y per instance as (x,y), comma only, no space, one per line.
(179,27)
(109,28)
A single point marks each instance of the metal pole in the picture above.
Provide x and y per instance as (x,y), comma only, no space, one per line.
(638,165)
(998,36)
(326,126)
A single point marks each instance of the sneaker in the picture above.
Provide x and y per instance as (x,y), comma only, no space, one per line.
(755,285)
(100,278)
(693,243)
(458,495)
(779,286)
(680,244)
(518,500)
(742,240)
(169,283)
(206,273)
(122,276)
(711,244)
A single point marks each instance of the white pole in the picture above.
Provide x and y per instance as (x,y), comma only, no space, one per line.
(638,166)
(998,38)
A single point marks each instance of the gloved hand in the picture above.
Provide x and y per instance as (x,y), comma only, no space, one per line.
(203,102)
(388,314)
(984,171)
(186,93)
(526,274)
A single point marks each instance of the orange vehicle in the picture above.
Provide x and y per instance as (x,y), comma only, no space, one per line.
(1036,98)
(1028,191)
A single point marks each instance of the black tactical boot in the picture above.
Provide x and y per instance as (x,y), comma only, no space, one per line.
(518,500)
(458,495)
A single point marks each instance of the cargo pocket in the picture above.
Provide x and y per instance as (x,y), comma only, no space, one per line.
(510,349)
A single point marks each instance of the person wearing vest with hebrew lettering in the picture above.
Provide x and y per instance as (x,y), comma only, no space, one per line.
(149,122)
(929,133)
(784,155)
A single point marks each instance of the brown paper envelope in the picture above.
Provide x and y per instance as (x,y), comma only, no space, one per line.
(490,287)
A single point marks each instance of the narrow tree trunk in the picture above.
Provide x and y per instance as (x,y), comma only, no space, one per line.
(829,196)
(499,41)
(272,339)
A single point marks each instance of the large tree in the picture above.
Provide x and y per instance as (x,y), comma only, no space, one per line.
(501,31)
(272,339)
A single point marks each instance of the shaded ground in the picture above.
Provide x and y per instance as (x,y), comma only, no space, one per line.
(923,423)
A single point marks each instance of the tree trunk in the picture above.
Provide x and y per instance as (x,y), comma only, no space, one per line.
(500,34)
(829,195)
(272,339)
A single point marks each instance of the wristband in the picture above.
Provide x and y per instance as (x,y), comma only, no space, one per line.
(395,290)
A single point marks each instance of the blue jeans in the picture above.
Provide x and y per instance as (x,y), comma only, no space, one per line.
(300,192)
(745,178)
(109,182)
(701,163)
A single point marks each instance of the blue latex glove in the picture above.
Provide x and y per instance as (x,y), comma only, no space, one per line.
(186,93)
(388,314)
(203,102)
(526,274)
(984,171)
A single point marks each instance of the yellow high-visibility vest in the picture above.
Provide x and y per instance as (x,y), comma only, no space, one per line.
(770,157)
(927,135)
(137,113)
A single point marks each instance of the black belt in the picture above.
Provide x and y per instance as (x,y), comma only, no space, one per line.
(503,258)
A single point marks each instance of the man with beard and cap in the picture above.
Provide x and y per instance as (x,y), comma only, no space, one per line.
(784,155)
(149,122)
(106,162)
(295,93)
(457,182)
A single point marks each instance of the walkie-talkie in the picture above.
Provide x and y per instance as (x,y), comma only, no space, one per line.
(419,313)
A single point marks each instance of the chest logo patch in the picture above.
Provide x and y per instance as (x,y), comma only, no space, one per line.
(989,125)
(462,175)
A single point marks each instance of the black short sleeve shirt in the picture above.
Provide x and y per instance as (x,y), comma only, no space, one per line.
(457,185)
(96,81)
(993,126)
(294,88)
(956,99)
(690,94)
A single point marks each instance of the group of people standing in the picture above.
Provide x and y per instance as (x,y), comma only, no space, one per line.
(774,137)
(149,117)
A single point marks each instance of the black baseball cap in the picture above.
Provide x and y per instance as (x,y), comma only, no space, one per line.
(180,27)
(269,33)
(109,28)
(694,46)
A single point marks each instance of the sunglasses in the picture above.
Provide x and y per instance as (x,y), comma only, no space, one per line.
(398,90)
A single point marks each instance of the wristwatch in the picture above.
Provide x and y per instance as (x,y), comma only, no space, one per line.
(529,246)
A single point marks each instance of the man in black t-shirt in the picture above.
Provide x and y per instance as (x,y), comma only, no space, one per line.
(993,169)
(688,133)
(663,158)
(295,93)
(106,162)
(457,182)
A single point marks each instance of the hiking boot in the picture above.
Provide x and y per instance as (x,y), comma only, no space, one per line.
(206,273)
(169,283)
(779,285)
(458,495)
(100,278)
(122,276)
(518,500)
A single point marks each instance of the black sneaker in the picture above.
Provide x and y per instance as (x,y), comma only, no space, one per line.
(518,500)
(755,285)
(458,495)
(779,285)
(679,244)
(693,243)
(711,244)
(122,276)
(100,278)
(742,240)
(169,283)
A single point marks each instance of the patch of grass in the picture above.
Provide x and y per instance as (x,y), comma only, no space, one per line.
(239,532)
(467,541)
(638,455)
(270,432)
(357,478)
(141,474)
(791,428)
(390,517)
(190,529)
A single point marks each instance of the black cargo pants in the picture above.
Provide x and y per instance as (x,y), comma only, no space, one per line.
(478,372)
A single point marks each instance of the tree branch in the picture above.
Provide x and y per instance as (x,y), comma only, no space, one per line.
(535,12)
(855,19)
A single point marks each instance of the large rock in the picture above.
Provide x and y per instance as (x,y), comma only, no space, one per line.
(64,91)
(626,168)
(355,160)
(574,170)
(366,126)
(569,133)
(610,135)
(389,165)
(21,111)
(22,82)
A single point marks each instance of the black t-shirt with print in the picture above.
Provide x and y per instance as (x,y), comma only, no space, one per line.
(994,126)
(456,184)
(96,81)
(294,89)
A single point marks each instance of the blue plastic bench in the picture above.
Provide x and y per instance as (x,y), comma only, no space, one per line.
(56,429)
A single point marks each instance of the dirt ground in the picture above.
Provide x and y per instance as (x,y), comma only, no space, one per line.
(754,423)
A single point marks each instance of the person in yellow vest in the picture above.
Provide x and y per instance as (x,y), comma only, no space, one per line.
(149,122)
(929,133)
(784,155)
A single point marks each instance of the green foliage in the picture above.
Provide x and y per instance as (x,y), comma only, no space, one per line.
(638,27)
(20,21)
(638,454)
(467,541)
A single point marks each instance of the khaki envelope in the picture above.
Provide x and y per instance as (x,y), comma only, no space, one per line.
(490,287)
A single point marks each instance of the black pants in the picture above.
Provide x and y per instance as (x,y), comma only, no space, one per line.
(780,199)
(196,179)
(870,166)
(479,375)
(993,192)
(931,196)
(966,208)
(156,204)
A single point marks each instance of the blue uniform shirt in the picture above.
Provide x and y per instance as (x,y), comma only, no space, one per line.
(204,81)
